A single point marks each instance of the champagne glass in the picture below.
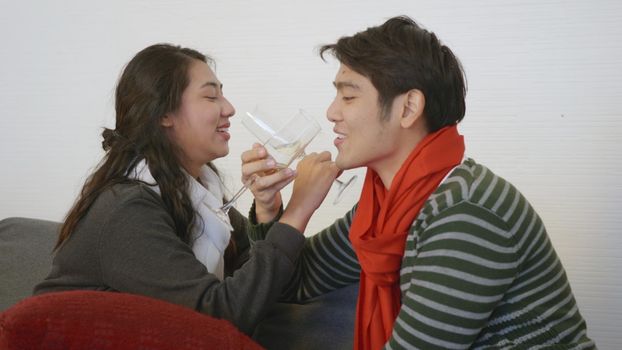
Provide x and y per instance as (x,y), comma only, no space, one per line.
(285,145)
(260,125)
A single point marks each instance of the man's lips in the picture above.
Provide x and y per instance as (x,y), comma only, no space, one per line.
(339,133)
(339,139)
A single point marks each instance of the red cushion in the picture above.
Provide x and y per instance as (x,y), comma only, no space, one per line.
(107,320)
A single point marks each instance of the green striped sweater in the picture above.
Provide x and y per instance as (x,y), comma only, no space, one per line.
(478,272)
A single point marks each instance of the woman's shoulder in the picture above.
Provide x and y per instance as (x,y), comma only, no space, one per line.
(128,192)
(120,198)
(125,208)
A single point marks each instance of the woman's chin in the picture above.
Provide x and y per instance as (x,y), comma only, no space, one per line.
(217,154)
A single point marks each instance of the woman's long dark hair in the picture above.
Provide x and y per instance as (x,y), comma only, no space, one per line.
(151,86)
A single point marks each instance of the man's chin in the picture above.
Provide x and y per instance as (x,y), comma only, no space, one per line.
(342,163)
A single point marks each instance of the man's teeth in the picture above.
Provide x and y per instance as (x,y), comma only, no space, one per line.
(341,136)
(222,130)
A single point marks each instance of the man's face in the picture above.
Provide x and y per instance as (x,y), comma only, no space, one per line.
(364,137)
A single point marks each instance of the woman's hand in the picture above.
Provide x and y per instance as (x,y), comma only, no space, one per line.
(315,175)
(266,181)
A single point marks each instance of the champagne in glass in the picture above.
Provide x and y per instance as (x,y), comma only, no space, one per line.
(262,127)
(285,145)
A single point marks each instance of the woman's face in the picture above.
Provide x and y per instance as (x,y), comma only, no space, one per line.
(200,127)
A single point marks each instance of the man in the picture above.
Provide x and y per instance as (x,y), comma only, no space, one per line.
(449,255)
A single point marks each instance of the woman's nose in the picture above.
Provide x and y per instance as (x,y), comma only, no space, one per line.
(228,110)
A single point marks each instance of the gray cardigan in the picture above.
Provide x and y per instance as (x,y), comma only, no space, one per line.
(127,243)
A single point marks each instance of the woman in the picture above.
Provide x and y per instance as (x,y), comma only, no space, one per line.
(143,223)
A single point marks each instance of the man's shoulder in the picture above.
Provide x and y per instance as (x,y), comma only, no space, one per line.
(473,193)
(475,184)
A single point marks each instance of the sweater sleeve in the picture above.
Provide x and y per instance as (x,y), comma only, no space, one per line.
(453,278)
(257,231)
(140,253)
(327,262)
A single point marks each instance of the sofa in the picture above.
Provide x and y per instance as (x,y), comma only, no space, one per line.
(26,245)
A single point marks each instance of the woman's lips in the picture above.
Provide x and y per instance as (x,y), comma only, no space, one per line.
(224,132)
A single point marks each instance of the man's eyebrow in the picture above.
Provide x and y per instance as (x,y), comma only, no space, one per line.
(345,84)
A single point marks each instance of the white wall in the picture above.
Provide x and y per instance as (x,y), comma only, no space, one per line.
(544,101)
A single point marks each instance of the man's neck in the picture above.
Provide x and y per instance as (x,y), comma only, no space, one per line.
(388,167)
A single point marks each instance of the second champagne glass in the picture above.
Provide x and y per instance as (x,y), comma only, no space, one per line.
(285,145)
(262,127)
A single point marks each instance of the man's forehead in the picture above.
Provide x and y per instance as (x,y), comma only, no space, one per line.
(348,78)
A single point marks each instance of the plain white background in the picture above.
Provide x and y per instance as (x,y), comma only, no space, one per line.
(543,107)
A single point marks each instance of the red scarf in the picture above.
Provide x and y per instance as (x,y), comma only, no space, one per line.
(381,223)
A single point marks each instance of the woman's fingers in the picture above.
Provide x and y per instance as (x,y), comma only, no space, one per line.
(256,153)
(315,175)
(256,162)
(273,181)
(259,167)
(266,190)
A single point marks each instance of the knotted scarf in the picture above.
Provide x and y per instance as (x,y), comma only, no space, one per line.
(380,226)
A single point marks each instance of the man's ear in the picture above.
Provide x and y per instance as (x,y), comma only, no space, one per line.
(166,121)
(414,106)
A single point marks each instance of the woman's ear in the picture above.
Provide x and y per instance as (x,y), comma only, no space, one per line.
(166,121)
(414,106)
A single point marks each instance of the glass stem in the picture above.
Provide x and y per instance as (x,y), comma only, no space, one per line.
(225,208)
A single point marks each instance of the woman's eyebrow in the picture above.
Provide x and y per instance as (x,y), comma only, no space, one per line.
(214,84)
